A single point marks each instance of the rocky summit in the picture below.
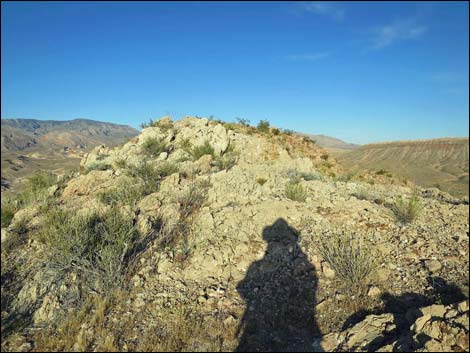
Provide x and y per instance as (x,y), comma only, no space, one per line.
(200,235)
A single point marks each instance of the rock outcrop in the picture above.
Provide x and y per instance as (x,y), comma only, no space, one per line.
(245,246)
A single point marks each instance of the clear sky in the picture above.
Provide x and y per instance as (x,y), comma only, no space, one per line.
(359,71)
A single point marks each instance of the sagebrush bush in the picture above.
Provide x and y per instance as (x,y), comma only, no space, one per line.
(312,176)
(97,166)
(125,193)
(149,175)
(192,200)
(243,122)
(324,156)
(349,257)
(166,168)
(407,210)
(121,163)
(199,151)
(295,191)
(154,146)
(97,247)
(8,211)
(41,181)
(263,126)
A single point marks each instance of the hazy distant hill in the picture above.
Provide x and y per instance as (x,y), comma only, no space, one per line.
(29,145)
(437,162)
(20,134)
(331,142)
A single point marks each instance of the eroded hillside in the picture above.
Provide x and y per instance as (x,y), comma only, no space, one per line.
(30,145)
(441,163)
(202,235)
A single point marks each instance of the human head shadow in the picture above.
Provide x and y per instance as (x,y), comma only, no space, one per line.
(279,291)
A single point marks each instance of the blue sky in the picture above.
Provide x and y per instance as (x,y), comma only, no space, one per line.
(359,71)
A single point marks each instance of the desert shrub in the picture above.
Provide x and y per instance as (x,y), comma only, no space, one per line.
(121,163)
(101,157)
(244,122)
(8,211)
(407,210)
(263,126)
(164,125)
(288,131)
(154,146)
(312,176)
(307,139)
(124,194)
(324,156)
(97,247)
(261,181)
(146,125)
(97,166)
(149,175)
(294,176)
(344,177)
(295,191)
(275,131)
(192,200)
(349,257)
(198,151)
(35,190)
(166,168)
(225,162)
(41,181)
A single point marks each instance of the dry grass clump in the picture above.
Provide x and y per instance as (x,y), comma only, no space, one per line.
(348,256)
(407,210)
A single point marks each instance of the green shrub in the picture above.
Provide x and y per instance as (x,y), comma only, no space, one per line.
(166,168)
(288,131)
(199,151)
(121,163)
(275,131)
(125,193)
(8,211)
(149,175)
(244,122)
(263,126)
(324,156)
(408,210)
(97,166)
(225,162)
(350,258)
(295,191)
(154,146)
(312,176)
(41,181)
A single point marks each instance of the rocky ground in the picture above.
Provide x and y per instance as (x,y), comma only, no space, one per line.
(246,272)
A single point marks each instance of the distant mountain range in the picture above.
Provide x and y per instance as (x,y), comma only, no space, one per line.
(441,163)
(24,134)
(29,145)
(331,142)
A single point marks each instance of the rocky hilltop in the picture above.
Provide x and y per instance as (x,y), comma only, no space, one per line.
(203,235)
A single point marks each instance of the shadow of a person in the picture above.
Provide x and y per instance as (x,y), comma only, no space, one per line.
(279,291)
